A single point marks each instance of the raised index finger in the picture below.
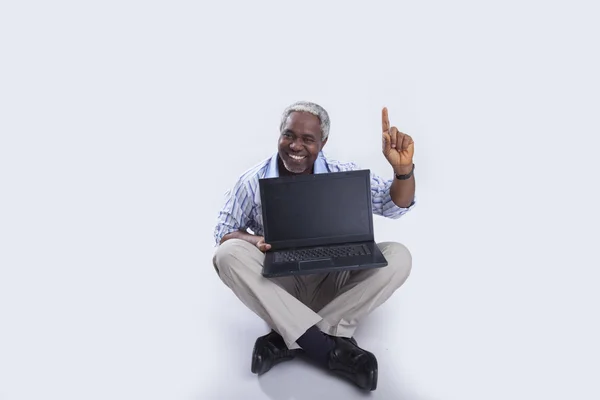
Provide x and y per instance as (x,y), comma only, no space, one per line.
(385,122)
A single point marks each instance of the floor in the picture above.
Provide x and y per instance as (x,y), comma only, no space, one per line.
(159,326)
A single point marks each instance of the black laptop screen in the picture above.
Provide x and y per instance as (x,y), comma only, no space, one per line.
(318,208)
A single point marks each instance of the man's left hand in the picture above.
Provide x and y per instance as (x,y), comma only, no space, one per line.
(398,147)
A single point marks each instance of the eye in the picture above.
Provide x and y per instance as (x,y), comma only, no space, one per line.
(309,140)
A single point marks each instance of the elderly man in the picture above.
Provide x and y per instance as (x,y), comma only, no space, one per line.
(313,314)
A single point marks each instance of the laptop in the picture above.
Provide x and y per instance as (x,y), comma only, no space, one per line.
(319,223)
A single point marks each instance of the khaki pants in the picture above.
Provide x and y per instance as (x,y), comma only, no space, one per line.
(335,302)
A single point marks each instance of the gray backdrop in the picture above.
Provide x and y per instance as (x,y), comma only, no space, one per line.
(123,123)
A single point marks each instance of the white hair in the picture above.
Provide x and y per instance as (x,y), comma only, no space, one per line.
(314,109)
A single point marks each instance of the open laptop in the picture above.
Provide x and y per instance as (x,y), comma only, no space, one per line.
(319,223)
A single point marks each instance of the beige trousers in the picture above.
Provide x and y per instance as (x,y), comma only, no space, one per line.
(334,302)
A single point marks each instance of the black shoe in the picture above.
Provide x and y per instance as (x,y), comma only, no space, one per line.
(353,363)
(269,350)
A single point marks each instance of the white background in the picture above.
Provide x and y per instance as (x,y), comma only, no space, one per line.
(123,123)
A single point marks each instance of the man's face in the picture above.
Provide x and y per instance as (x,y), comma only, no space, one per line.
(300,142)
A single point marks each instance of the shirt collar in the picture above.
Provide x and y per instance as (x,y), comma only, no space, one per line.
(320,166)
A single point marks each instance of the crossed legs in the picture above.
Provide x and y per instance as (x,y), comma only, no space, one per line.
(334,302)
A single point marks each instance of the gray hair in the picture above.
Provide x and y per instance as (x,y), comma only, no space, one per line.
(314,109)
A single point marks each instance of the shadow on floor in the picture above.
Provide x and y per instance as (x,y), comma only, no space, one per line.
(302,380)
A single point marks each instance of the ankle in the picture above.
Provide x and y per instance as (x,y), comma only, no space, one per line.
(316,344)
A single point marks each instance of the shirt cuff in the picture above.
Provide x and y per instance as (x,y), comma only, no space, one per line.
(394,211)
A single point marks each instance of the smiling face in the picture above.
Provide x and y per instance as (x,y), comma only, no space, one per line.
(300,142)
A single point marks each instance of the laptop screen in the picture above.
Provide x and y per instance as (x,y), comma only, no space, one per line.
(317,209)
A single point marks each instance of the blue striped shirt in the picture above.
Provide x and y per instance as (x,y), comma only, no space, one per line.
(242,209)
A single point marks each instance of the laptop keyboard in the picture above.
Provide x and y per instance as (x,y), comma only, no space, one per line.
(322,252)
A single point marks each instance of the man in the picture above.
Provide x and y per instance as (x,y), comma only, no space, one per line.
(313,314)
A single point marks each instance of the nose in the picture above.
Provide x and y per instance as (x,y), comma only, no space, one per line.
(295,145)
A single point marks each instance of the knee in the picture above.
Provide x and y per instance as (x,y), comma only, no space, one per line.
(227,252)
(399,261)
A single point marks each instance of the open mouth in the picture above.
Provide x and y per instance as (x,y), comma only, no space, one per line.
(296,158)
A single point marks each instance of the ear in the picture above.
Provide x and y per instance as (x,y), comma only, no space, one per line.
(323,143)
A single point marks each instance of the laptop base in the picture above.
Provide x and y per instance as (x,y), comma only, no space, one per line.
(274,269)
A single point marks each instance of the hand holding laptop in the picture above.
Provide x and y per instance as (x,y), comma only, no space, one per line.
(262,246)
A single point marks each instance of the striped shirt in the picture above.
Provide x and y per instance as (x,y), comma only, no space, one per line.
(242,209)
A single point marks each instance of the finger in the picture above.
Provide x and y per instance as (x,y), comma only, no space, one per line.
(394,136)
(411,148)
(264,246)
(400,140)
(386,143)
(385,122)
(406,141)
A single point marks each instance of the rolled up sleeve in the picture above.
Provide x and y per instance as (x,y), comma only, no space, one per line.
(382,200)
(234,214)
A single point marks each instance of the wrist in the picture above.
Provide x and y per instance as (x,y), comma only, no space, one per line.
(404,169)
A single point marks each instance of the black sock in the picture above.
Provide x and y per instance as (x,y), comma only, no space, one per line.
(316,344)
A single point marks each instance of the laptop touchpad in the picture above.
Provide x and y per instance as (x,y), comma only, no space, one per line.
(315,264)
